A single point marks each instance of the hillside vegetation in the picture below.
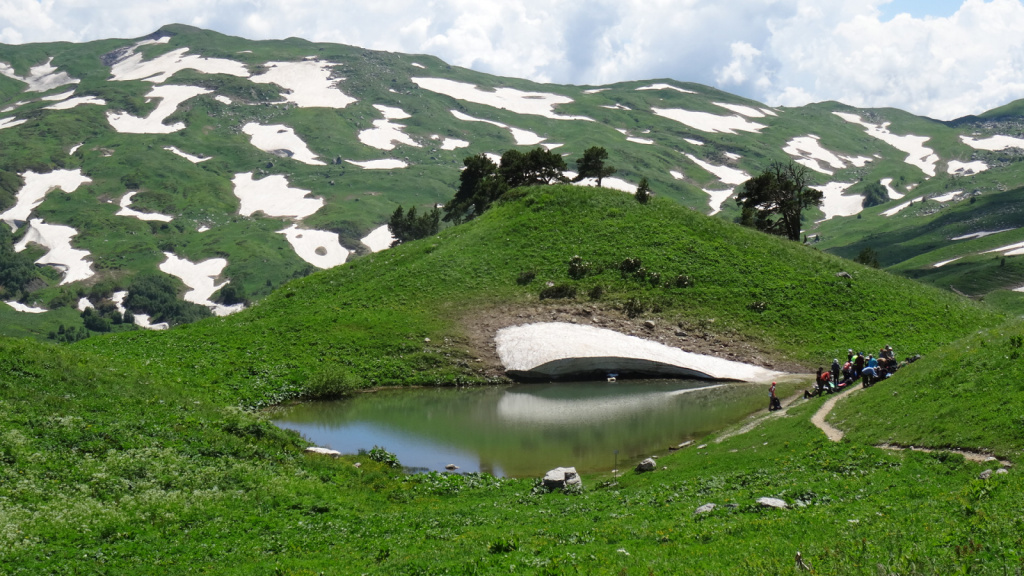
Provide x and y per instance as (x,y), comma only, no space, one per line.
(405,316)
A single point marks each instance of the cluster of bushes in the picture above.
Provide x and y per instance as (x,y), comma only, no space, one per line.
(157,296)
(69,335)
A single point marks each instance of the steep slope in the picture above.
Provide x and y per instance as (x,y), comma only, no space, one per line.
(426,312)
(213,161)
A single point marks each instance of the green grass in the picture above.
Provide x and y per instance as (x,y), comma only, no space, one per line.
(103,466)
(370,318)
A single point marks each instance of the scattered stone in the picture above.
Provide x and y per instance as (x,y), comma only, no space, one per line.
(704,509)
(647,465)
(680,333)
(685,444)
(702,446)
(426,339)
(843,275)
(357,465)
(323,451)
(733,450)
(773,503)
(451,467)
(985,475)
(1002,471)
(649,324)
(622,551)
(560,478)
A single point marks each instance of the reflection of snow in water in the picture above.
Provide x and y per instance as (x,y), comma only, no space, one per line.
(528,408)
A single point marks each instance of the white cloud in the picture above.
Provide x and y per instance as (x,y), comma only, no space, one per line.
(782,52)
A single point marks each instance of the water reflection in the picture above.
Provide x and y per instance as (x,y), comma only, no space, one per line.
(526,429)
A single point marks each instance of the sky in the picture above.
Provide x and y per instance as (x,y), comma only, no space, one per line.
(938,58)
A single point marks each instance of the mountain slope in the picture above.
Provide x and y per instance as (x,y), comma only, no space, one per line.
(212,160)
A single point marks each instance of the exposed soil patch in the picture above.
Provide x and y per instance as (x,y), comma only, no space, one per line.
(480,327)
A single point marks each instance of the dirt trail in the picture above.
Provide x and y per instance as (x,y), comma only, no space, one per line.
(834,434)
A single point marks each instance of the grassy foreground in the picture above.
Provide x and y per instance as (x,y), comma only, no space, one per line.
(107,472)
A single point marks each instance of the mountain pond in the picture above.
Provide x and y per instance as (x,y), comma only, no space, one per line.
(526,429)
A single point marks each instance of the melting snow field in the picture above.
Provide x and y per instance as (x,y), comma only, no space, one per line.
(724,173)
(534,103)
(280,140)
(384,133)
(947,197)
(10,122)
(706,122)
(40,78)
(808,151)
(667,87)
(140,319)
(185,155)
(317,247)
(200,278)
(19,307)
(58,97)
(557,348)
(694,142)
(382,164)
(453,143)
(308,83)
(835,204)
(272,196)
(222,99)
(896,210)
(893,194)
(981,234)
(1009,250)
(522,137)
(126,201)
(35,189)
(170,97)
(57,239)
(743,110)
(379,239)
(944,262)
(77,101)
(716,198)
(966,168)
(162,67)
(993,143)
(609,182)
(918,155)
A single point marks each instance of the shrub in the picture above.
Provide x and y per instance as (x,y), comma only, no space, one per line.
(596,292)
(578,268)
(379,454)
(655,278)
(758,306)
(630,265)
(558,291)
(683,281)
(634,307)
(526,277)
(331,382)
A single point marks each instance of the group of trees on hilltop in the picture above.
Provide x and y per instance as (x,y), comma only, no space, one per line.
(774,200)
(482,182)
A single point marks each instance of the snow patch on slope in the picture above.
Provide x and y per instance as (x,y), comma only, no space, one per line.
(170,97)
(706,122)
(917,153)
(280,140)
(40,78)
(272,196)
(57,240)
(35,189)
(317,247)
(534,103)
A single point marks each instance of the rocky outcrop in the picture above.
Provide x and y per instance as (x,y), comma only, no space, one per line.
(773,503)
(323,451)
(646,465)
(562,478)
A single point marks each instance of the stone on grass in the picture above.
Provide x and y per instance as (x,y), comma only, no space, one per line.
(773,503)
(647,465)
(323,451)
(1002,471)
(985,475)
(560,478)
(705,509)
(451,467)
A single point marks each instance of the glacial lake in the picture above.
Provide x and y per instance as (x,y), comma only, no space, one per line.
(527,429)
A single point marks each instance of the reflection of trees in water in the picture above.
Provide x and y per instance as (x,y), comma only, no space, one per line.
(522,429)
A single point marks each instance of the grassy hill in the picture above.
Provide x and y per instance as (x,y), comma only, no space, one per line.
(412,315)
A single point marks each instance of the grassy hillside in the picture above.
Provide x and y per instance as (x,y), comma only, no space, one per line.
(407,315)
(965,395)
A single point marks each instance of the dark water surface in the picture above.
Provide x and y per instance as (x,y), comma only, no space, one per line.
(527,429)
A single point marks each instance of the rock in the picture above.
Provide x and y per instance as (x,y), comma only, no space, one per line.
(649,324)
(773,503)
(323,451)
(985,475)
(843,275)
(451,467)
(680,333)
(647,465)
(704,509)
(562,478)
(685,444)
(702,446)
(1002,471)
(357,465)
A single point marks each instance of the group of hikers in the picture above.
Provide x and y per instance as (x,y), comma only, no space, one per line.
(869,368)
